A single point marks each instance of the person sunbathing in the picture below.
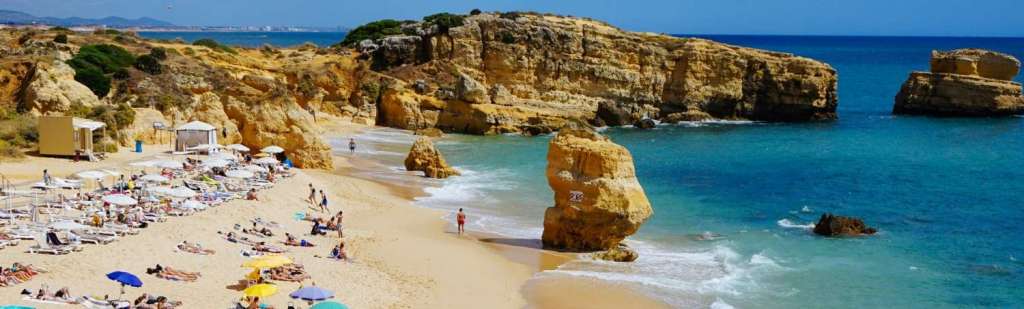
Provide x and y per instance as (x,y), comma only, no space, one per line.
(291,273)
(172,274)
(262,232)
(292,241)
(194,248)
(263,247)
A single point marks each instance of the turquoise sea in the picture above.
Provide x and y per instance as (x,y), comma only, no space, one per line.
(734,201)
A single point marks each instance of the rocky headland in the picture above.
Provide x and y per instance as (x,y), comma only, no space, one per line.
(486,73)
(963,82)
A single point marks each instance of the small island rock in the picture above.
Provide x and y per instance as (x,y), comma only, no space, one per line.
(424,157)
(831,225)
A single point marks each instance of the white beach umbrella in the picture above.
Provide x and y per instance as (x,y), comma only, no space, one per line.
(154,178)
(92,175)
(120,200)
(267,160)
(143,164)
(182,192)
(242,174)
(223,156)
(171,164)
(204,147)
(216,163)
(238,147)
(67,225)
(255,168)
(192,204)
(272,149)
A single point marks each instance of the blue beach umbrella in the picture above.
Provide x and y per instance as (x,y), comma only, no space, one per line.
(124,279)
(312,293)
(16,307)
(329,305)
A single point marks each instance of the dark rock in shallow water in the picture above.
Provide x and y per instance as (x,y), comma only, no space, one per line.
(830,225)
(620,253)
(645,124)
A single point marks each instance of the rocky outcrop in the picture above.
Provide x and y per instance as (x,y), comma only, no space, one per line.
(53,90)
(423,156)
(279,120)
(598,199)
(620,253)
(509,74)
(830,225)
(964,82)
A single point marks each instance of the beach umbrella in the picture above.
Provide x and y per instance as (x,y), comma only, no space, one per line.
(154,178)
(143,164)
(242,174)
(312,293)
(125,279)
(223,156)
(171,164)
(216,163)
(67,225)
(92,175)
(268,261)
(204,147)
(272,149)
(329,305)
(267,160)
(261,155)
(120,200)
(238,147)
(255,168)
(192,204)
(15,307)
(181,192)
(260,290)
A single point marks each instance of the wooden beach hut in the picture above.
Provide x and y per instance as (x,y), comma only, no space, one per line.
(66,136)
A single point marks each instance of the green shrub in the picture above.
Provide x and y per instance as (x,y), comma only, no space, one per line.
(60,29)
(61,38)
(122,74)
(93,63)
(159,53)
(189,51)
(148,64)
(510,15)
(373,31)
(214,45)
(445,21)
(9,151)
(93,77)
(475,12)
(17,132)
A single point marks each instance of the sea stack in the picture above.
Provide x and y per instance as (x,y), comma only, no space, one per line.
(598,199)
(424,157)
(963,83)
(831,225)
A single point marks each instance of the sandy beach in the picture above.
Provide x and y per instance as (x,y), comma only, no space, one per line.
(403,256)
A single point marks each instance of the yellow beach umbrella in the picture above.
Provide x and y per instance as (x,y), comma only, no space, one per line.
(260,290)
(268,262)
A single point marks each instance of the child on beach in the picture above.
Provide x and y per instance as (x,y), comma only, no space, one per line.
(323,201)
(460,218)
(352,145)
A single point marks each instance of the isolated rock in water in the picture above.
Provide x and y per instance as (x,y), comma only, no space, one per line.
(646,124)
(975,62)
(424,157)
(598,199)
(687,116)
(965,82)
(830,225)
(620,253)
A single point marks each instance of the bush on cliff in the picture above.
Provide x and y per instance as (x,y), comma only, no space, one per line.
(445,21)
(149,64)
(61,38)
(214,45)
(159,53)
(373,31)
(94,63)
(475,12)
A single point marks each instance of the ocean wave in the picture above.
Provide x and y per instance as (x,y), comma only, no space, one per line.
(790,225)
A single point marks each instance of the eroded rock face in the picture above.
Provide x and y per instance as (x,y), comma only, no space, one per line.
(830,225)
(598,199)
(423,156)
(554,70)
(964,82)
(53,90)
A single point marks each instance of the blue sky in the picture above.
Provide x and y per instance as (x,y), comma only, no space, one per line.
(819,17)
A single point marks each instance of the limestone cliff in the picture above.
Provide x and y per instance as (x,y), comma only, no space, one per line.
(517,72)
(964,82)
(598,199)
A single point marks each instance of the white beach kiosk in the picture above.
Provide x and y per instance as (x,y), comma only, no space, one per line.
(193,134)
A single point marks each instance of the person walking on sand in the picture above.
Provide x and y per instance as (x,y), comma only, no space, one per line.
(460,218)
(46,177)
(312,194)
(352,145)
(337,223)
(323,201)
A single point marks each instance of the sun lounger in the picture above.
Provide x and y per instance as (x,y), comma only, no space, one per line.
(91,238)
(43,247)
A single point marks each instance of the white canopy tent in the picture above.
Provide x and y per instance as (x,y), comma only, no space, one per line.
(192,134)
